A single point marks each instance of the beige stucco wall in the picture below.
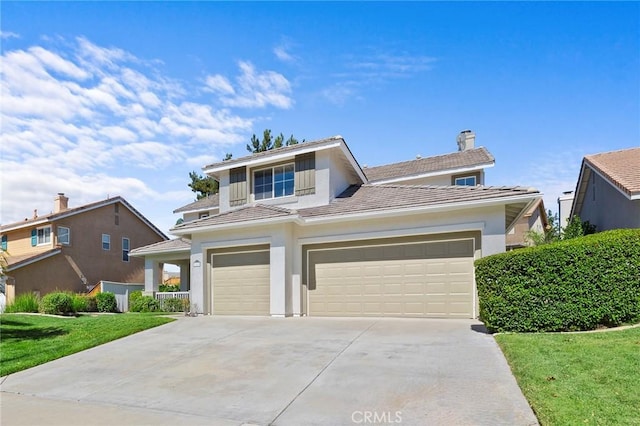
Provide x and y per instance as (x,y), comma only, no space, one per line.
(286,241)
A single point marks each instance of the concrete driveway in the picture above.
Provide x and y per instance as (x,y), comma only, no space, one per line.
(281,371)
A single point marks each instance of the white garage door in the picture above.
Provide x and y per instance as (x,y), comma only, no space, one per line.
(432,279)
(240,282)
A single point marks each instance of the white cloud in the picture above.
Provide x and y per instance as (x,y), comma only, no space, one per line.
(4,35)
(282,54)
(220,84)
(89,121)
(254,89)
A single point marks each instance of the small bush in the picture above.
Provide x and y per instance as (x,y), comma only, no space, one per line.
(174,305)
(133,296)
(79,303)
(28,302)
(92,304)
(169,287)
(106,302)
(579,284)
(84,303)
(57,304)
(144,304)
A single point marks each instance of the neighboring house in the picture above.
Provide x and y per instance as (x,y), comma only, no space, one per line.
(534,220)
(608,190)
(304,230)
(75,248)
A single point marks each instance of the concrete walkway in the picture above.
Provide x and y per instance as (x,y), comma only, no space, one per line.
(281,371)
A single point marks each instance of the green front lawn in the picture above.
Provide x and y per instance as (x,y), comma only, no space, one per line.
(30,340)
(585,378)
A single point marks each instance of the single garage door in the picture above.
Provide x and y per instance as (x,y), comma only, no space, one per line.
(433,279)
(240,282)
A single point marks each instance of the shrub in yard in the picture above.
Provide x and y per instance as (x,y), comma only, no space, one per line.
(28,302)
(169,287)
(58,303)
(173,305)
(106,302)
(144,304)
(578,284)
(79,303)
(92,303)
(84,303)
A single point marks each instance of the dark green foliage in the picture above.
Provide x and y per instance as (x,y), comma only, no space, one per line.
(57,304)
(203,186)
(577,284)
(28,302)
(144,304)
(268,142)
(92,303)
(106,302)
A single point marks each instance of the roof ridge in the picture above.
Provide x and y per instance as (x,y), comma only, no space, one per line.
(274,151)
(433,157)
(456,187)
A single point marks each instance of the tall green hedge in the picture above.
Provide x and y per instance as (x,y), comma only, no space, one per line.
(577,284)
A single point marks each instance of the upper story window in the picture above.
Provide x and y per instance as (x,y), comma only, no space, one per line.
(203,215)
(64,235)
(41,236)
(274,182)
(106,242)
(125,249)
(466,181)
(5,242)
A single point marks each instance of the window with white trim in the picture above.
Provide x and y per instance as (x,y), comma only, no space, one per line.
(274,182)
(466,181)
(125,249)
(44,235)
(64,235)
(106,242)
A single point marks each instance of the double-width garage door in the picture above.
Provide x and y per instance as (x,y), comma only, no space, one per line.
(240,282)
(429,279)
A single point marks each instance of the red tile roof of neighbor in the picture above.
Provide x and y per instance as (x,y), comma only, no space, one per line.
(621,167)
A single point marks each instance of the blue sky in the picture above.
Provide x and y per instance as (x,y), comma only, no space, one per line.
(110,98)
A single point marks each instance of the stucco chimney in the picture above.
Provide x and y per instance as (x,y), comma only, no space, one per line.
(466,140)
(60,203)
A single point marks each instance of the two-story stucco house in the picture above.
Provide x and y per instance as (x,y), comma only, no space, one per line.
(74,248)
(305,230)
(608,190)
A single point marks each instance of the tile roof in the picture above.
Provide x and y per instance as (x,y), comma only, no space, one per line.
(206,203)
(622,168)
(462,159)
(243,214)
(357,199)
(272,152)
(367,198)
(80,209)
(175,244)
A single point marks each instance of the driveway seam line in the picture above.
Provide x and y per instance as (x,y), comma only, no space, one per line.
(320,372)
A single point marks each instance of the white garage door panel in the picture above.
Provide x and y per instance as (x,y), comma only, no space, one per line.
(241,283)
(420,280)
